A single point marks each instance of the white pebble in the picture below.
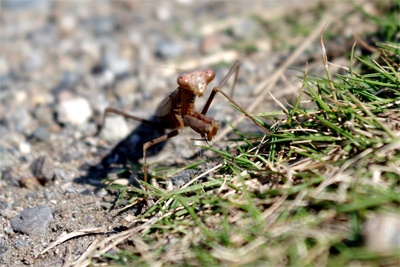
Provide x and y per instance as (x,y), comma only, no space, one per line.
(163,13)
(76,111)
(24,148)
(67,24)
(115,128)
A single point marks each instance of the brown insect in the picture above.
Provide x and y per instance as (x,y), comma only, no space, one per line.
(176,111)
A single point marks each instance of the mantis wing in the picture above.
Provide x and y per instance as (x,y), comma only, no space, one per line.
(165,106)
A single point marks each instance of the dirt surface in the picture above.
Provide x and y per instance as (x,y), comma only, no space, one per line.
(62,63)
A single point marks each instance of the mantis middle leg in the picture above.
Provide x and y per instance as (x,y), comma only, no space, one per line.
(151,143)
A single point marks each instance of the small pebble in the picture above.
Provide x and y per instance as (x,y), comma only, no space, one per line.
(48,195)
(40,133)
(20,97)
(112,252)
(67,24)
(92,49)
(16,204)
(86,127)
(5,253)
(33,221)
(135,37)
(66,185)
(43,169)
(88,219)
(70,156)
(28,261)
(117,65)
(163,13)
(44,114)
(8,230)
(245,28)
(182,178)
(168,49)
(32,195)
(127,101)
(4,207)
(60,174)
(101,25)
(101,193)
(115,128)
(6,159)
(107,78)
(21,120)
(74,111)
(20,243)
(126,86)
(99,103)
(24,148)
(34,61)
(70,190)
(30,183)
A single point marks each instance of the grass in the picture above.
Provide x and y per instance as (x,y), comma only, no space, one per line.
(299,197)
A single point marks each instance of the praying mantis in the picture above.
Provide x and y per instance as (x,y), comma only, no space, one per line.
(177,110)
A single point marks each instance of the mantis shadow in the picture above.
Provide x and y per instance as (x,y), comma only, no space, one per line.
(128,150)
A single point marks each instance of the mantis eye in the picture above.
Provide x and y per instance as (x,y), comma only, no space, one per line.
(209,75)
(183,81)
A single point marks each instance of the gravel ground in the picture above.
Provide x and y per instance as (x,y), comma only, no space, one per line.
(62,63)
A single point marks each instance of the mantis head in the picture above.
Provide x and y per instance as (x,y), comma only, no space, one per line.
(196,81)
